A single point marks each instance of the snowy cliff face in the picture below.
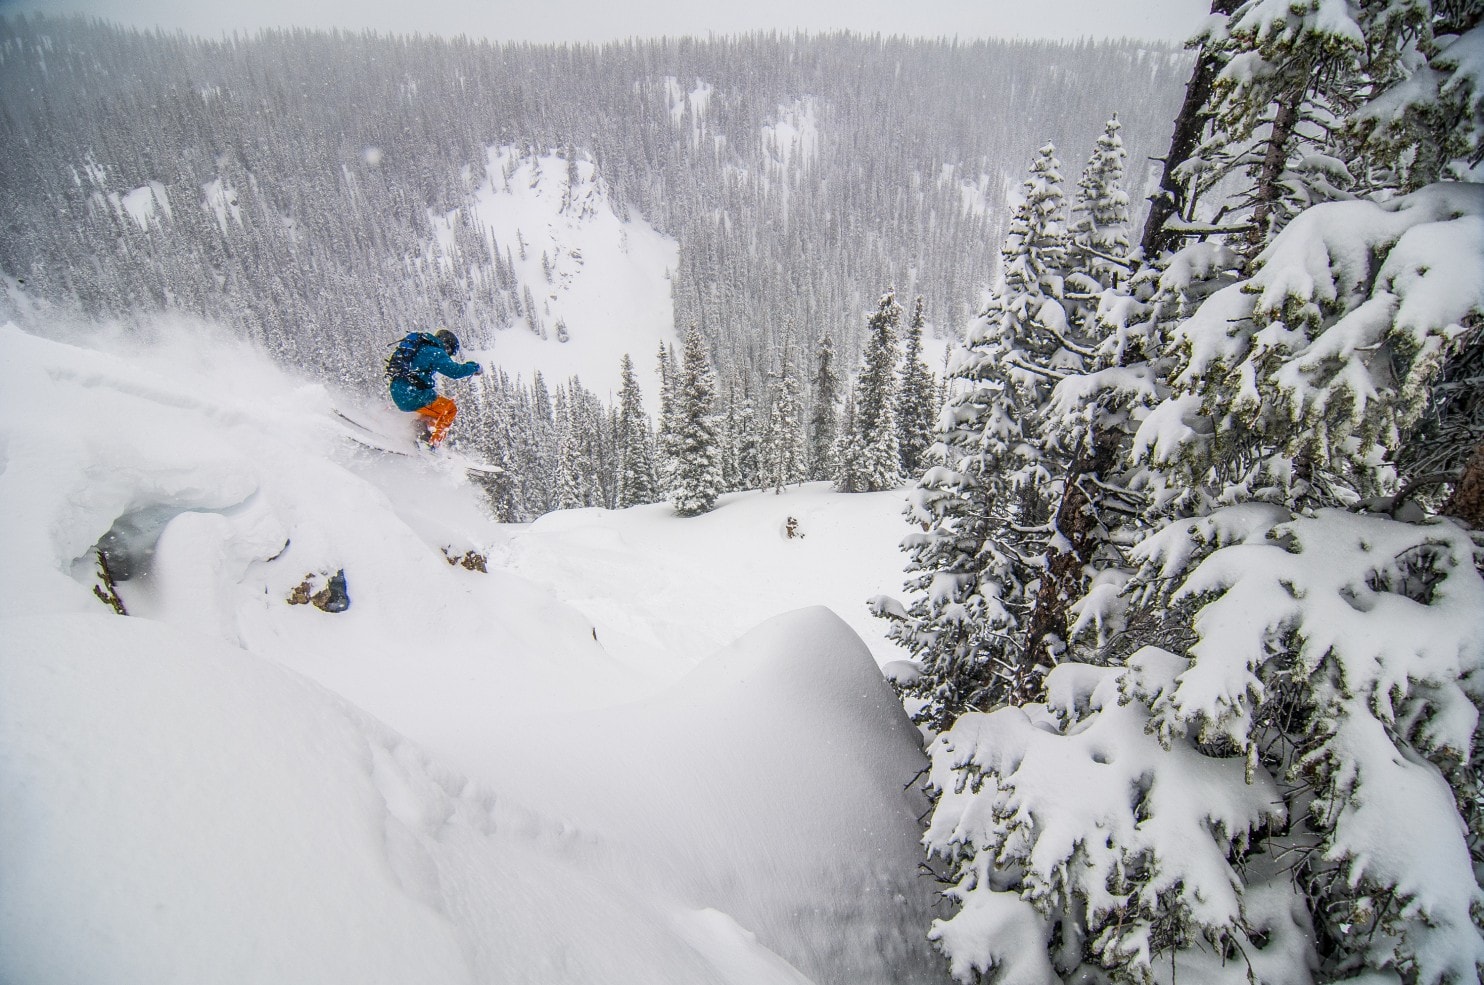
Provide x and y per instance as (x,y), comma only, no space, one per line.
(452,780)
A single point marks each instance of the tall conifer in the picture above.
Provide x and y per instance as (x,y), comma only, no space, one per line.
(872,439)
(694,468)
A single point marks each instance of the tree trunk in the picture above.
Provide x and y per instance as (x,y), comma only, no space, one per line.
(1269,179)
(1467,502)
(1076,525)
(1171,199)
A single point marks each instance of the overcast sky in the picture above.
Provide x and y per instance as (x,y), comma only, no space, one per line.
(604,20)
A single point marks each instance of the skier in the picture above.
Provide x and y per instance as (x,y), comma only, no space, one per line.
(411,369)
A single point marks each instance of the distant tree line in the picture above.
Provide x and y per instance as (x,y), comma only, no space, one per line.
(565,449)
(287,184)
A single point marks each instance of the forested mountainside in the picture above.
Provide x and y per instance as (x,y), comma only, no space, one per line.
(291,184)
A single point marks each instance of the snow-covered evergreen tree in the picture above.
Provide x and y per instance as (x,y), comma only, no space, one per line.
(983,501)
(1029,312)
(1031,343)
(1292,384)
(1099,233)
(501,445)
(1081,424)
(693,474)
(871,442)
(726,445)
(917,397)
(1430,126)
(744,438)
(1290,74)
(824,427)
(570,492)
(1238,804)
(783,442)
(955,624)
(543,449)
(669,374)
(846,453)
(636,474)
(1282,686)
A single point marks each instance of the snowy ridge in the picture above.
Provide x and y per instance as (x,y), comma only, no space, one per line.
(452,780)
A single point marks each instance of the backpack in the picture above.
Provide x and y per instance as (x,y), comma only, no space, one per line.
(399,363)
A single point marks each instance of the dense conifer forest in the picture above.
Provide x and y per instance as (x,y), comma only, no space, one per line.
(301,171)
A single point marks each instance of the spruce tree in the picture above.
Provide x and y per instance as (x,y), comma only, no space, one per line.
(1099,230)
(1033,344)
(847,453)
(1290,74)
(1266,709)
(636,474)
(824,427)
(983,500)
(545,478)
(669,379)
(783,442)
(872,439)
(744,436)
(1172,205)
(570,485)
(727,443)
(917,398)
(694,471)
(956,624)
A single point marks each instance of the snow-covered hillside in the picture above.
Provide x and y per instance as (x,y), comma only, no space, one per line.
(635,749)
(600,285)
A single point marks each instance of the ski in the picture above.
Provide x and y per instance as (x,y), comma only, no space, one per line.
(375,440)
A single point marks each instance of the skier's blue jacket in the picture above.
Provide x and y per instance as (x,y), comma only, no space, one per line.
(414,389)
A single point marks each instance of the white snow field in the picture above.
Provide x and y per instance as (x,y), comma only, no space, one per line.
(638,749)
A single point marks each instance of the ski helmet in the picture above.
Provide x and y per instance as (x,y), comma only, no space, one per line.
(450,341)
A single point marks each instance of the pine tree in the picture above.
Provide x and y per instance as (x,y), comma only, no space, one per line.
(917,398)
(593,441)
(1033,344)
(872,440)
(1171,205)
(1099,235)
(1430,126)
(544,475)
(1290,74)
(1291,383)
(501,446)
(636,474)
(983,501)
(1080,427)
(745,437)
(726,439)
(824,426)
(1268,709)
(783,442)
(570,491)
(956,625)
(669,378)
(694,473)
(847,453)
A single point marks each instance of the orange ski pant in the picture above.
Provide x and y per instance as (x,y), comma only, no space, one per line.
(438,416)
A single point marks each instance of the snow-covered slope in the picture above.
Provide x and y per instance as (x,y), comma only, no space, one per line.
(600,284)
(538,773)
